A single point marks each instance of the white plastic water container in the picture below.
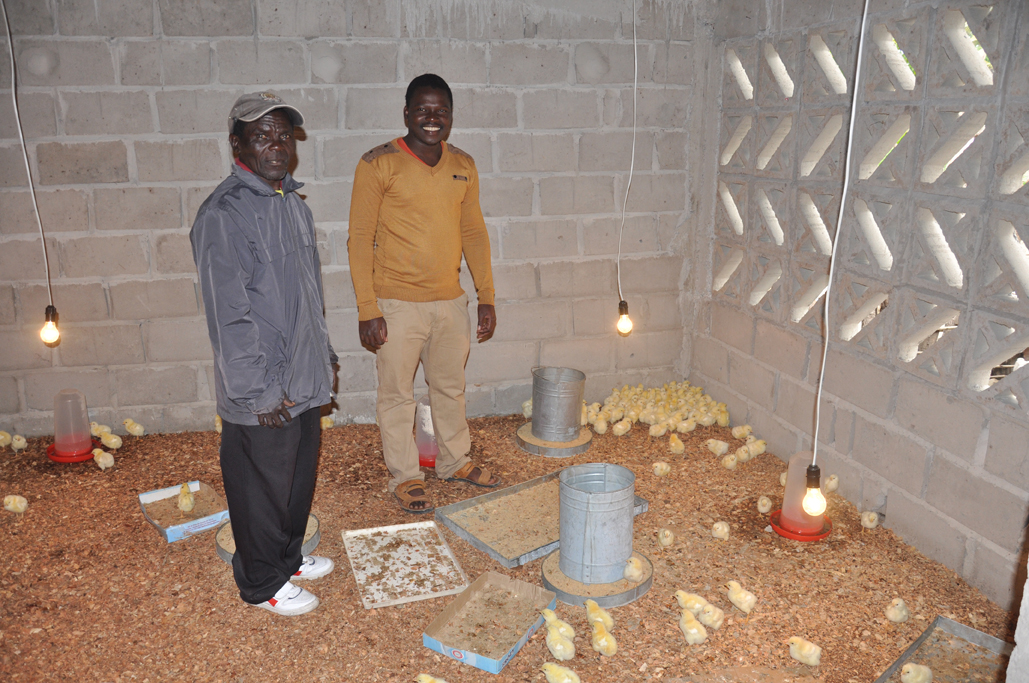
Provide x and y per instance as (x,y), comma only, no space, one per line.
(425,433)
(71,424)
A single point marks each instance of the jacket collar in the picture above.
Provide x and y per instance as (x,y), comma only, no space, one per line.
(250,179)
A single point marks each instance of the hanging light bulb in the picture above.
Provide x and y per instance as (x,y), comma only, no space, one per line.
(814,501)
(50,334)
(624,325)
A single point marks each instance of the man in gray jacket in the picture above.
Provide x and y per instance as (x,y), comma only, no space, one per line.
(254,247)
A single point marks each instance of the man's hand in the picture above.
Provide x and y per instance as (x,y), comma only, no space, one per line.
(373,333)
(487,322)
(275,418)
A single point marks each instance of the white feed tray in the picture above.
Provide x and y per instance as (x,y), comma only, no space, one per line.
(402,563)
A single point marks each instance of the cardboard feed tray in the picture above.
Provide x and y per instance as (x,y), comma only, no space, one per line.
(160,509)
(402,563)
(956,654)
(517,524)
(488,623)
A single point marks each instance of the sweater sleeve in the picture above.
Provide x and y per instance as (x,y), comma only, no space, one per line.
(225,264)
(475,242)
(365,203)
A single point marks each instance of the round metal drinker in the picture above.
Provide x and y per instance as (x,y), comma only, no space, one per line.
(574,593)
(225,544)
(552,449)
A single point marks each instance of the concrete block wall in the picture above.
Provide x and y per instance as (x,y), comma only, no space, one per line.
(125,104)
(930,292)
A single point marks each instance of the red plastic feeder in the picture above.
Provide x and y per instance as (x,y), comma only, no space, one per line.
(76,456)
(797,535)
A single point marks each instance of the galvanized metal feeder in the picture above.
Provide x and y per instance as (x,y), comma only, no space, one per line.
(597,503)
(555,430)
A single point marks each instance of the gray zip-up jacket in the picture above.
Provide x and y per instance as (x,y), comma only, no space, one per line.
(260,277)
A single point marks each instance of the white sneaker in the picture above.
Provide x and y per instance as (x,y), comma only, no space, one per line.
(313,567)
(290,601)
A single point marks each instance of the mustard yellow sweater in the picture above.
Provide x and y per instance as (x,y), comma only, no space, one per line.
(410,224)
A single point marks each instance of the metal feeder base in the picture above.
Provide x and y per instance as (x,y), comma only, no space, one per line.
(225,544)
(552,449)
(574,593)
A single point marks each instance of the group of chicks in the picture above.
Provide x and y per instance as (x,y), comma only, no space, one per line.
(751,448)
(561,636)
(16,442)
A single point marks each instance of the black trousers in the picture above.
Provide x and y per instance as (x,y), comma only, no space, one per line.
(269,476)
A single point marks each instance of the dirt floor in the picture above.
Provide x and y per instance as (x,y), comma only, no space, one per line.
(89,591)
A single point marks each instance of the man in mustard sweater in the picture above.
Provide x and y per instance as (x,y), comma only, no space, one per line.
(414,212)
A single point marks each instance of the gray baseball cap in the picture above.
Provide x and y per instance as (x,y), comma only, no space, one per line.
(253,106)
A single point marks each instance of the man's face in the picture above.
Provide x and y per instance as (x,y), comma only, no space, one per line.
(267,146)
(429,116)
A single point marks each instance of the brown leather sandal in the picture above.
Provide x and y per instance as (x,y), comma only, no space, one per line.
(405,494)
(482,479)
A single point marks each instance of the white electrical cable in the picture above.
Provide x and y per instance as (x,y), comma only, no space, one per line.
(24,149)
(632,158)
(836,237)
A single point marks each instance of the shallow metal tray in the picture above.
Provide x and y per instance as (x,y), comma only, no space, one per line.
(954,628)
(420,567)
(640,506)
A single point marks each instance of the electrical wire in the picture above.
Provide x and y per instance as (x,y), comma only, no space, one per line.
(836,237)
(24,149)
(632,158)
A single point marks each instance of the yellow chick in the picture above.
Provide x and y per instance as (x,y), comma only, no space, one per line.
(103,459)
(750,439)
(706,420)
(691,628)
(916,673)
(831,484)
(527,409)
(94,429)
(869,519)
(600,426)
(603,642)
(729,461)
(764,505)
(741,431)
(804,651)
(583,415)
(556,673)
(617,413)
(720,530)
(327,422)
(16,504)
(659,429)
(551,619)
(661,468)
(722,418)
(665,538)
(112,441)
(562,648)
(691,602)
(426,678)
(186,500)
(218,423)
(757,448)
(782,479)
(596,613)
(102,429)
(621,427)
(711,616)
(686,426)
(743,599)
(133,427)
(5,440)
(633,571)
(18,443)
(719,448)
(742,454)
(675,445)
(898,612)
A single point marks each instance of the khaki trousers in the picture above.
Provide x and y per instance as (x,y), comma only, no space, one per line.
(437,334)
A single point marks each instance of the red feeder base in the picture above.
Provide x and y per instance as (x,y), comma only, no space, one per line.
(81,456)
(426,460)
(797,536)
